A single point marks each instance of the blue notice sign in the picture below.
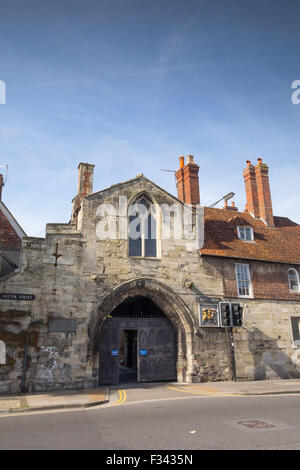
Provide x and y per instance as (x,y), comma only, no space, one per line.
(114,352)
(143,352)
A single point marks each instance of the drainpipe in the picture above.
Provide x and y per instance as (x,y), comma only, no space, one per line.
(24,389)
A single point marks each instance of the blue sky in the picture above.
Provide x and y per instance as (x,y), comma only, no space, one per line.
(130,85)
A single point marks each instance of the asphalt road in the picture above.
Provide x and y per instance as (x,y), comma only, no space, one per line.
(162,422)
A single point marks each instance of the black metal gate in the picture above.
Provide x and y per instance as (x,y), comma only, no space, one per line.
(156,347)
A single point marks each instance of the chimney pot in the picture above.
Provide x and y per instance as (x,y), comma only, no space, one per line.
(190,158)
(248,162)
(231,207)
(181,162)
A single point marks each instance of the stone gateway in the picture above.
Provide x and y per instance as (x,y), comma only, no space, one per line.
(141,285)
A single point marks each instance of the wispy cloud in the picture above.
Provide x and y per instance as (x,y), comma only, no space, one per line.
(169,55)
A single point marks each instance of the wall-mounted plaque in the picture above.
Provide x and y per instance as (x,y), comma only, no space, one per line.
(209,315)
(62,325)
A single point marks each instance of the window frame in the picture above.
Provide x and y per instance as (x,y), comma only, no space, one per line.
(240,228)
(293,270)
(296,342)
(2,352)
(138,199)
(250,288)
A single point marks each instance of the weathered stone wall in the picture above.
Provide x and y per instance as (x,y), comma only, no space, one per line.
(265,349)
(89,270)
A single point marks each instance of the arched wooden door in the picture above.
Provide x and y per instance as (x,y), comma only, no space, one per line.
(156,343)
(157,350)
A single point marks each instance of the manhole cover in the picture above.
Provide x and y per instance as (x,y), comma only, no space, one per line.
(256,424)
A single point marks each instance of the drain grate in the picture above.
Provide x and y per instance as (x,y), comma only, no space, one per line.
(256,424)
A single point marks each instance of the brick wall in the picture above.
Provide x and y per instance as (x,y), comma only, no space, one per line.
(269,280)
(8,236)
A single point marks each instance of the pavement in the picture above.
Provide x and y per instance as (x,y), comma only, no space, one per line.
(119,394)
(53,400)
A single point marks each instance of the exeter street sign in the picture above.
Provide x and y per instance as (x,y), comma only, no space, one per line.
(17,296)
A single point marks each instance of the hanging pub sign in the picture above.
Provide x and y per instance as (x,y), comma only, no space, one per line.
(17,296)
(209,315)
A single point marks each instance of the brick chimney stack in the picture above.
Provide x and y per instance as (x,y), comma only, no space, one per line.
(1,185)
(251,190)
(188,181)
(258,193)
(85,180)
(264,193)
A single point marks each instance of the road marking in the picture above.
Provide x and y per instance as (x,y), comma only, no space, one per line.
(204,389)
(122,398)
(201,393)
(141,402)
(183,391)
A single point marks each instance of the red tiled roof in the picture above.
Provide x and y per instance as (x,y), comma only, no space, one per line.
(280,243)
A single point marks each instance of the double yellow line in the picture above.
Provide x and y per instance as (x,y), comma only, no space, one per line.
(122,398)
(201,391)
(192,392)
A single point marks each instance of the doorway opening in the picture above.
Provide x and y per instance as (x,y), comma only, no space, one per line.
(128,356)
(137,343)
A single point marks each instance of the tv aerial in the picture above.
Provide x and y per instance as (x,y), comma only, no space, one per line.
(170,171)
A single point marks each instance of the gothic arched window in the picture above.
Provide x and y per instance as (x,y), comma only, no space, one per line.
(142,228)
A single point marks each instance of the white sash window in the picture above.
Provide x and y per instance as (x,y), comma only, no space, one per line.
(243,280)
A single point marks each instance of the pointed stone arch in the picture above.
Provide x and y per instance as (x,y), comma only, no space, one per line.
(168,301)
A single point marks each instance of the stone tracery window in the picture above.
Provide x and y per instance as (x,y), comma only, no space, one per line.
(142,228)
